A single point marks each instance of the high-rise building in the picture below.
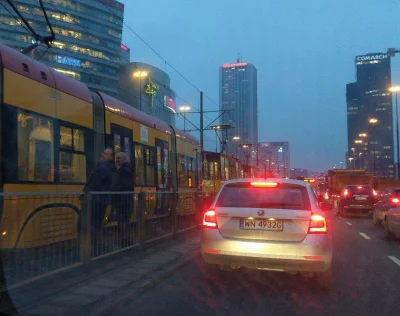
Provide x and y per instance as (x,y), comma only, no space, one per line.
(87,42)
(151,93)
(125,55)
(273,158)
(238,97)
(370,143)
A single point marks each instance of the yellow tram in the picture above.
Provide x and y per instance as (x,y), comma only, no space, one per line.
(53,132)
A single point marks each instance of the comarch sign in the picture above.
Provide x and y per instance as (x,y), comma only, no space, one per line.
(372,57)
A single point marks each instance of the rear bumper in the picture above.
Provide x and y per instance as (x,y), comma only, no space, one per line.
(313,254)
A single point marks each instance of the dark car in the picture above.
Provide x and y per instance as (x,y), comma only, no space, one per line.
(357,200)
(390,198)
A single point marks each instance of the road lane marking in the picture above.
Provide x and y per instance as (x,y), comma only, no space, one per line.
(365,236)
(348,223)
(395,260)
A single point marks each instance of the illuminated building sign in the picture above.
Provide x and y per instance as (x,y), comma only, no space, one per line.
(371,57)
(234,65)
(68,61)
(169,103)
(124,47)
(151,88)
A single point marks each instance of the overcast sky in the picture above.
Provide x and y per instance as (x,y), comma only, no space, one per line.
(303,50)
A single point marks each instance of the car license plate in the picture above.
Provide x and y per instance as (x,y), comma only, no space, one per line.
(360,198)
(261,224)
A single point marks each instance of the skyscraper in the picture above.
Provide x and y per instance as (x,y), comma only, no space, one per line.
(238,95)
(87,42)
(370,144)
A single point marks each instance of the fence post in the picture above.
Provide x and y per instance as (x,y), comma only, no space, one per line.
(174,222)
(85,228)
(141,219)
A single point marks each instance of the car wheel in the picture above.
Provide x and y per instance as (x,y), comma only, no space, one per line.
(375,220)
(325,279)
(387,232)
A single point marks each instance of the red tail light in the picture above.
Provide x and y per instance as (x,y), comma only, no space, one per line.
(210,219)
(395,200)
(374,193)
(264,184)
(317,224)
(346,192)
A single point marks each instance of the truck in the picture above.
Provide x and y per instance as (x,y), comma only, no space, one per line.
(380,184)
(338,178)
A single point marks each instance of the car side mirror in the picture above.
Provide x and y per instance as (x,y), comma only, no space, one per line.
(325,206)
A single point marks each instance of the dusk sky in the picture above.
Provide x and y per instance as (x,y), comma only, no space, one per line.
(303,50)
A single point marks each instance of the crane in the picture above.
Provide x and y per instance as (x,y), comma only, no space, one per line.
(392,51)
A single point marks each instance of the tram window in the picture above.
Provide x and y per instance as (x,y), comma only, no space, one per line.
(166,166)
(182,171)
(150,162)
(72,155)
(72,167)
(139,165)
(117,144)
(35,148)
(128,148)
(159,166)
(65,137)
(189,166)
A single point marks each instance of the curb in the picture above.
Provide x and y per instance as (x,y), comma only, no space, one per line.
(130,292)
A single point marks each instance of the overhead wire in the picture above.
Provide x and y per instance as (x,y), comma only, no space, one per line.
(18,21)
(158,54)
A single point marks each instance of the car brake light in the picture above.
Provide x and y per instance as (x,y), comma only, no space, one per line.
(317,224)
(359,187)
(395,200)
(346,192)
(264,184)
(210,219)
(374,192)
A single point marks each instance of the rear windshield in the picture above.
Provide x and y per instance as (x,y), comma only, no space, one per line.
(282,197)
(360,189)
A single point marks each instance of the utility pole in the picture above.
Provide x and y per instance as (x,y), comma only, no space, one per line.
(201,125)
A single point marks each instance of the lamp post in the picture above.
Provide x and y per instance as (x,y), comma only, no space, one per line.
(350,159)
(184,109)
(140,74)
(396,89)
(373,121)
(359,141)
(236,138)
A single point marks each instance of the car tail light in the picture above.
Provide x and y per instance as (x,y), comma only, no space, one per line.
(346,192)
(264,184)
(395,200)
(326,196)
(210,219)
(317,224)
(359,187)
(374,193)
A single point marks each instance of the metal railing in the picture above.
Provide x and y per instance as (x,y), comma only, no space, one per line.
(42,233)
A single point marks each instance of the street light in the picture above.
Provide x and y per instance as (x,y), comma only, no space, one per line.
(184,109)
(140,74)
(350,159)
(396,89)
(373,121)
(222,127)
(359,141)
(236,147)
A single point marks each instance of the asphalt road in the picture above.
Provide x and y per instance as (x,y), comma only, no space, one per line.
(366,282)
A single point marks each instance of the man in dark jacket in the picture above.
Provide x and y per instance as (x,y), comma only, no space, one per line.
(123,202)
(101,180)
